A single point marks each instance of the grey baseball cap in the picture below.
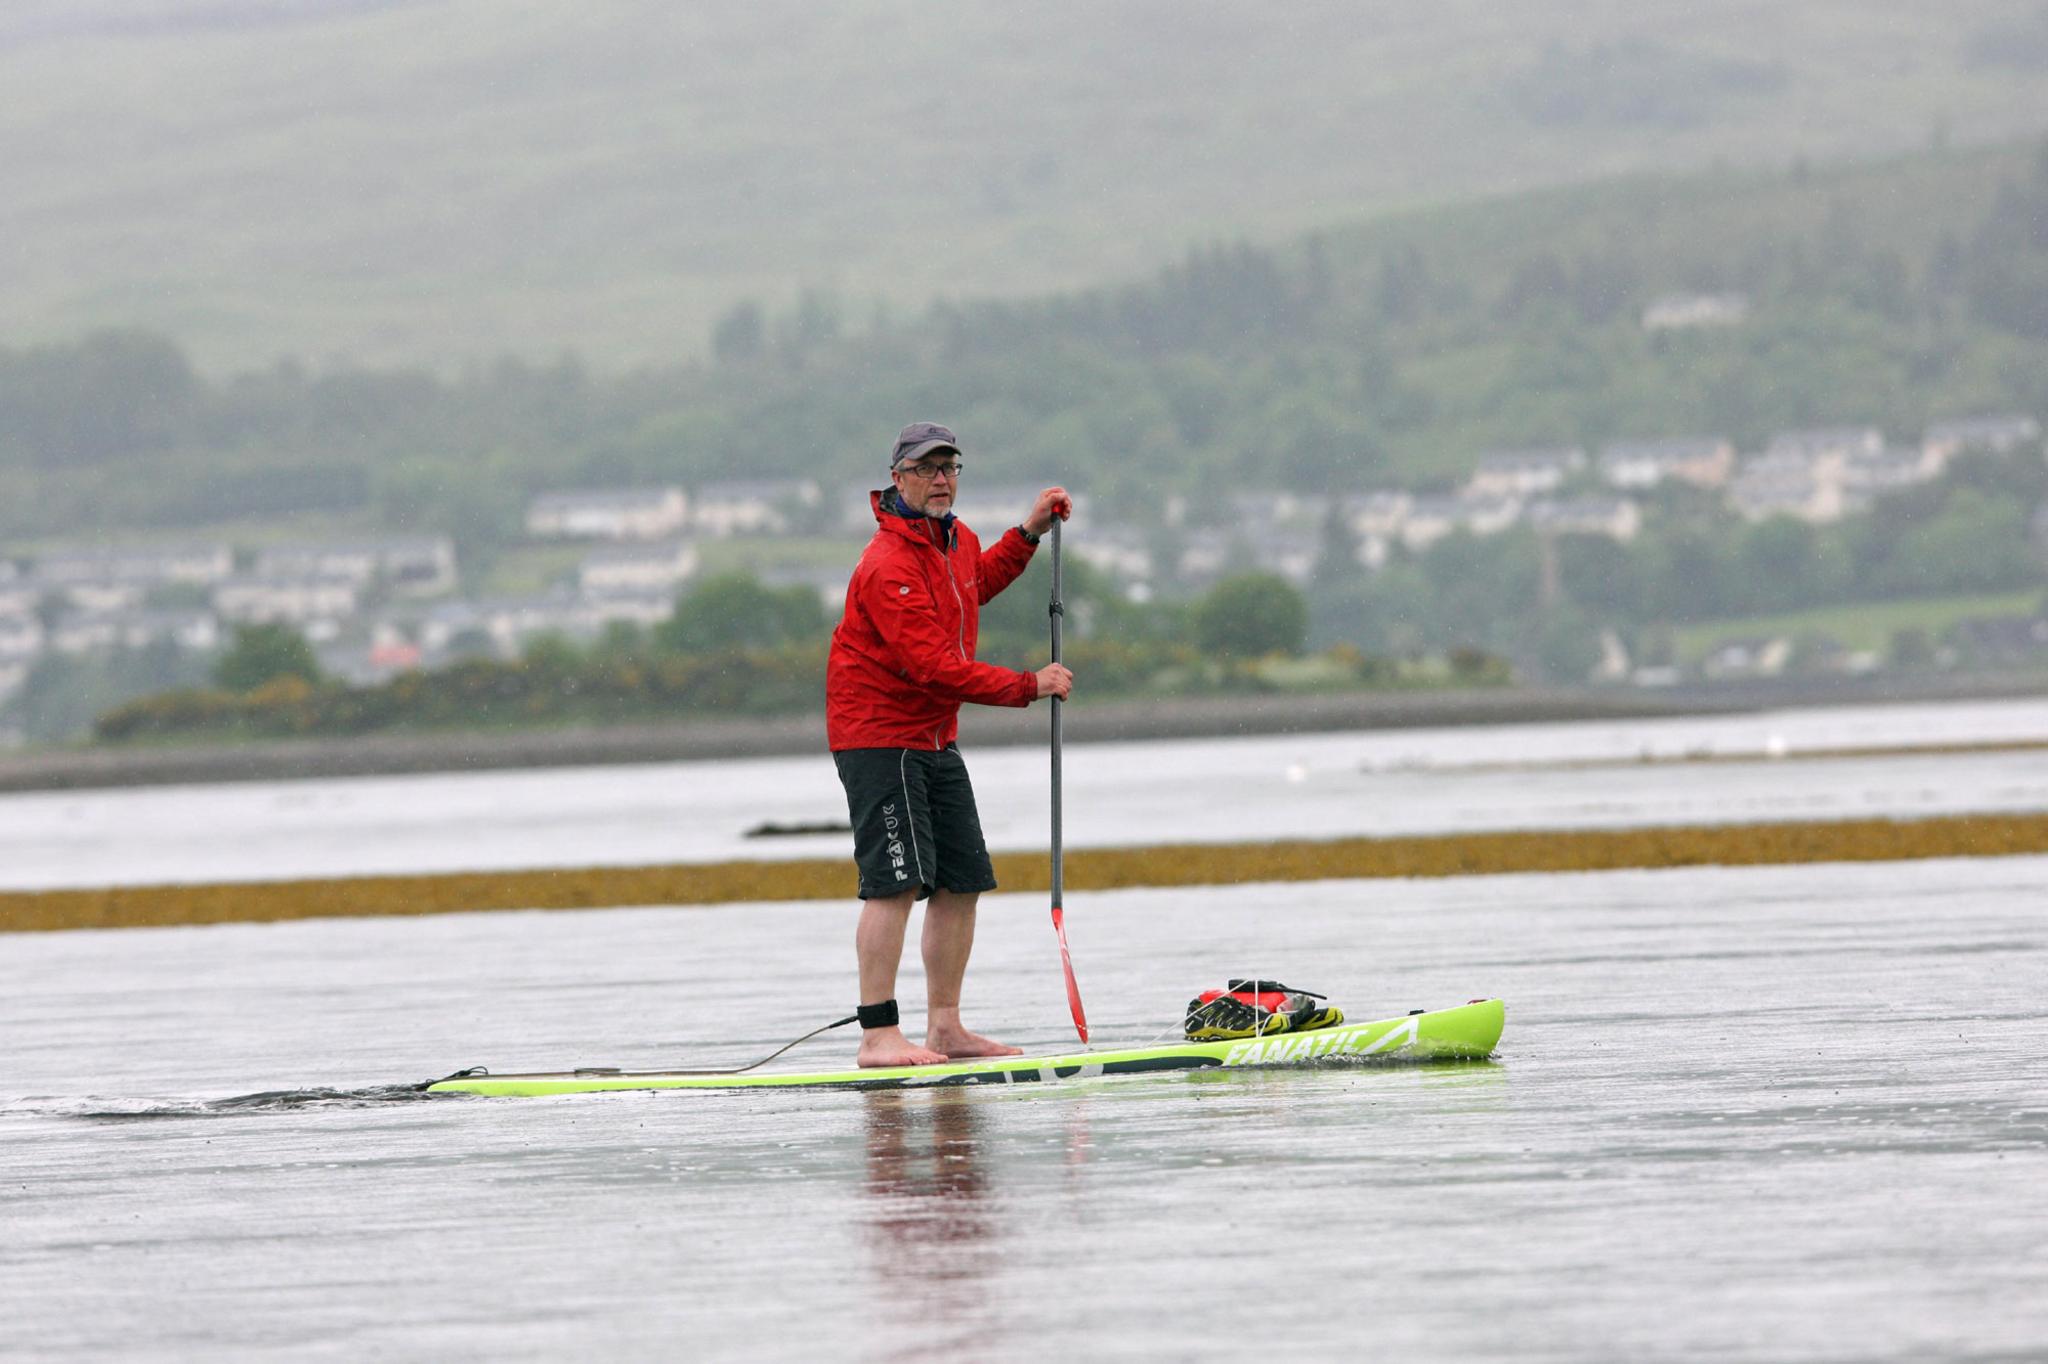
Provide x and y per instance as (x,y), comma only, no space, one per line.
(919,439)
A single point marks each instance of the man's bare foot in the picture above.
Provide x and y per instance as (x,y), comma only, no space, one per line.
(961,1045)
(889,1047)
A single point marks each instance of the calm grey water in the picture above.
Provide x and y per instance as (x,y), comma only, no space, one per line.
(1297,786)
(1781,1113)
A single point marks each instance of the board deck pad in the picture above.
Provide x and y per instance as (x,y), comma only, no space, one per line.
(1468,1032)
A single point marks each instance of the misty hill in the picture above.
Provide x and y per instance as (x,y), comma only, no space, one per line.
(440,182)
(1393,353)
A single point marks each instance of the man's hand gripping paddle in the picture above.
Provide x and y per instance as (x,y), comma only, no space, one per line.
(1059,918)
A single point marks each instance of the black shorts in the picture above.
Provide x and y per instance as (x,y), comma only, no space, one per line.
(915,827)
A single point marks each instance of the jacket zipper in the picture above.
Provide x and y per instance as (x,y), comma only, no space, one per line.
(960,636)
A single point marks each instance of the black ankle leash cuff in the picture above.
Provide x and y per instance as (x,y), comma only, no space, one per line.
(881,1015)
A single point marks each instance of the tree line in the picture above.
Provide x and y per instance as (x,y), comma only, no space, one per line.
(737,647)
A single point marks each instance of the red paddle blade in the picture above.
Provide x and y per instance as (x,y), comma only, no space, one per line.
(1059,926)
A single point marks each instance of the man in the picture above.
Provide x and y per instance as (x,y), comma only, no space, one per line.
(902,662)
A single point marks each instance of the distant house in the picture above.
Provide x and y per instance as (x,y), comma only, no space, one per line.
(608,514)
(21,636)
(991,509)
(626,569)
(1787,485)
(1203,558)
(1825,450)
(2001,641)
(80,634)
(1998,435)
(392,650)
(1256,510)
(1288,554)
(358,664)
(1524,473)
(203,565)
(509,623)
(1676,312)
(1378,515)
(751,506)
(634,608)
(314,603)
(1703,461)
(1430,519)
(1764,656)
(1118,551)
(1617,518)
(411,567)
(1869,476)
(104,598)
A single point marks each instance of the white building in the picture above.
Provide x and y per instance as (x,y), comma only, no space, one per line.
(1677,312)
(1998,435)
(21,636)
(1866,477)
(609,514)
(752,506)
(634,608)
(315,604)
(623,569)
(1377,515)
(1788,485)
(79,634)
(203,565)
(416,567)
(1764,656)
(1119,551)
(13,672)
(1524,473)
(1826,447)
(993,508)
(1287,553)
(18,597)
(1617,518)
(1257,510)
(1430,519)
(104,598)
(508,622)
(1703,461)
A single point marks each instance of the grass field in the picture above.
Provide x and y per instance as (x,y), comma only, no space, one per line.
(1863,626)
(385,181)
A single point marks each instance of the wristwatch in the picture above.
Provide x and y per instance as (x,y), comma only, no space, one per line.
(1029,538)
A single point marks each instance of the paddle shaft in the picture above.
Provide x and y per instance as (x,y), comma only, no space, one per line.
(1058,613)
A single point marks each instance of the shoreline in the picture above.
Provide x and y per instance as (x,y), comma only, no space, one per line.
(1103,722)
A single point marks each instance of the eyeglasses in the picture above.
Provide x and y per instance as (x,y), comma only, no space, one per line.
(925,473)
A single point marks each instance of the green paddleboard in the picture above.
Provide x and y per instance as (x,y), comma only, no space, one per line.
(1466,1033)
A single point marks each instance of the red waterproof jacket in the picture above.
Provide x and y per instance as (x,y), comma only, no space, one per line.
(902,658)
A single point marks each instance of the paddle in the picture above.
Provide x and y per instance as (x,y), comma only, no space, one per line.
(1059,916)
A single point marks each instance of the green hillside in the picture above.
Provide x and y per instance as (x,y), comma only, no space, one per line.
(429,182)
(1390,353)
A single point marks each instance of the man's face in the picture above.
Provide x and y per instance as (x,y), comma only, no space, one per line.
(928,485)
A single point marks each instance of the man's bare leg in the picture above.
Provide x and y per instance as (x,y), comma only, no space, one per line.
(879,944)
(948,938)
